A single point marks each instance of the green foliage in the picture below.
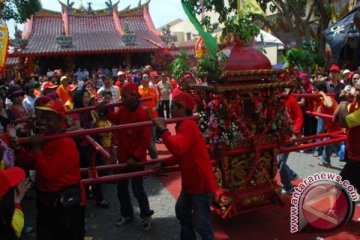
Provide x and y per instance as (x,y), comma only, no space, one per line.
(220,7)
(241,25)
(304,57)
(19,10)
(210,66)
(180,65)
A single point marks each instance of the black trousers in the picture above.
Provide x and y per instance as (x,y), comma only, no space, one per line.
(310,124)
(351,172)
(164,105)
(137,185)
(59,223)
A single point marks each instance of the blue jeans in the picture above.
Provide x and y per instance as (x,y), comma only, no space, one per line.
(193,211)
(286,173)
(319,129)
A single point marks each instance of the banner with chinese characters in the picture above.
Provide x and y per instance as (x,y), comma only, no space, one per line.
(4,40)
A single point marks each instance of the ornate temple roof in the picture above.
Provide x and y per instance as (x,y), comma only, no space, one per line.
(76,31)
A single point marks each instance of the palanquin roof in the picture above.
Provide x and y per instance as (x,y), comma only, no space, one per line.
(98,31)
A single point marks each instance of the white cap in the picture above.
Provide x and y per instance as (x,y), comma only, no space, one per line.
(119,73)
(346,71)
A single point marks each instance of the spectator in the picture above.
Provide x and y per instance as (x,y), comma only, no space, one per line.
(121,77)
(146,91)
(105,138)
(48,88)
(69,105)
(37,90)
(83,98)
(29,101)
(12,190)
(165,90)
(61,91)
(327,105)
(108,86)
(17,110)
(335,86)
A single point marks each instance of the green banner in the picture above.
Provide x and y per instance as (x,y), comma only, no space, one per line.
(209,40)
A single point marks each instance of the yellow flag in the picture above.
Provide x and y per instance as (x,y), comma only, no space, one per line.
(337,13)
(4,40)
(252,5)
(352,4)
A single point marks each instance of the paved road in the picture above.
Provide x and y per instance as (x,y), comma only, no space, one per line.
(100,223)
(306,164)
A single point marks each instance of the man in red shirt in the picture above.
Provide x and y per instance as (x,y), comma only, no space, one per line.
(198,180)
(133,144)
(60,204)
(286,173)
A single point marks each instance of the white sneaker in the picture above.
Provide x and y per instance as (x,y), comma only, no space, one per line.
(122,221)
(146,224)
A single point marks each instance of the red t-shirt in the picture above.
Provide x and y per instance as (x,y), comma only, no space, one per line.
(295,113)
(133,142)
(57,164)
(320,107)
(352,137)
(189,150)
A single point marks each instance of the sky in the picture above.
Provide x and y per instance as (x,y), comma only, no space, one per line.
(162,11)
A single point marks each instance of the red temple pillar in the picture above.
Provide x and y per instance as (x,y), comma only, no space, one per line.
(30,65)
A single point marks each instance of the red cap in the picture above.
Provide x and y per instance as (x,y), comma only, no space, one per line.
(185,100)
(154,74)
(10,178)
(48,84)
(53,106)
(131,88)
(334,68)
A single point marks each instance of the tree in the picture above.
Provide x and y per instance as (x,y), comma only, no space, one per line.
(291,19)
(19,10)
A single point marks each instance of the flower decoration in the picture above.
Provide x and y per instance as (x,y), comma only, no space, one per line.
(229,121)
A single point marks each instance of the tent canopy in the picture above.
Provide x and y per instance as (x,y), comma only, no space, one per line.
(268,38)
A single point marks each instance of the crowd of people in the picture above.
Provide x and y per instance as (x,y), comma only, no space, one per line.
(329,88)
(40,106)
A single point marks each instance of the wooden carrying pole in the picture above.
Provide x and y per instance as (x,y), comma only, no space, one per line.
(91,131)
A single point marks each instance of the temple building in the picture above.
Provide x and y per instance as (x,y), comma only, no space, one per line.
(88,38)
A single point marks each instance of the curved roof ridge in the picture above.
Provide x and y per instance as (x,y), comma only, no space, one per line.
(138,10)
(78,11)
(47,13)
